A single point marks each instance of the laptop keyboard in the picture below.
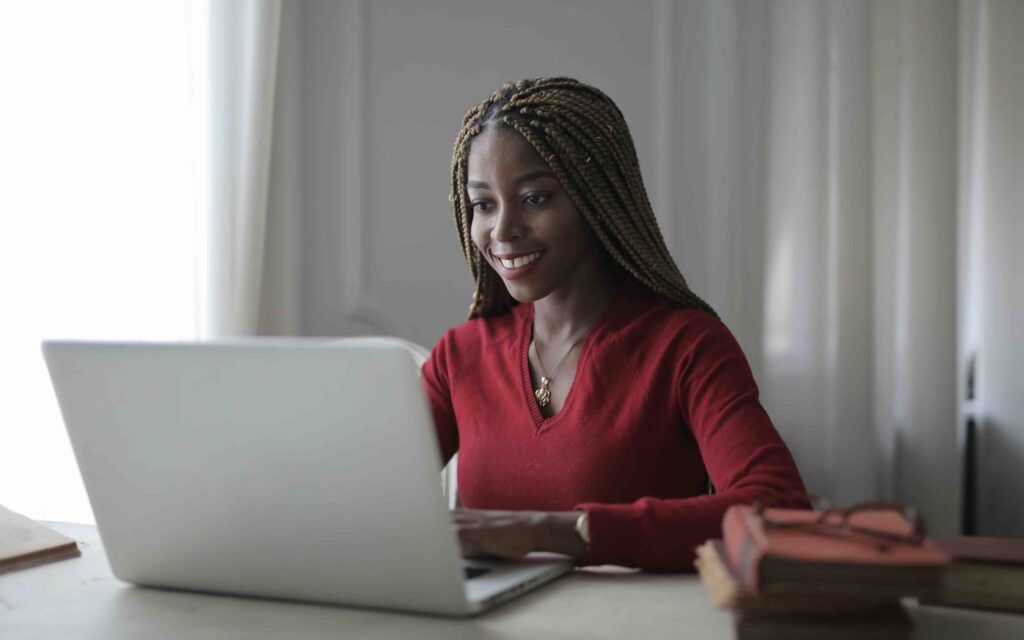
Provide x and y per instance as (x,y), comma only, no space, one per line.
(474,572)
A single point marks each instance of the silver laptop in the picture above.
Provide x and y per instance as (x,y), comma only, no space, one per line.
(290,469)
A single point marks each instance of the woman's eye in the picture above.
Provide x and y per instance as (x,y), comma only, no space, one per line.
(480,206)
(535,198)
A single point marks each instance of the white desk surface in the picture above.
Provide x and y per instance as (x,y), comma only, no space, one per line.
(80,598)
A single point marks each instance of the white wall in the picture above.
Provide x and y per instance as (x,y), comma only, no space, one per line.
(386,86)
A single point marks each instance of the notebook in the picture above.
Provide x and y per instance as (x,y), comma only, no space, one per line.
(291,469)
(25,543)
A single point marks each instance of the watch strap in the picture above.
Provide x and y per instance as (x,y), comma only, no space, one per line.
(582,528)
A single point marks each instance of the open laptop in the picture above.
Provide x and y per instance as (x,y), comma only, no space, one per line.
(291,469)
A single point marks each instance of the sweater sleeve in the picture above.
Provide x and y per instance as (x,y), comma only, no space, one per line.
(744,455)
(436,385)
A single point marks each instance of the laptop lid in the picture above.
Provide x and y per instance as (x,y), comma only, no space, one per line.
(284,469)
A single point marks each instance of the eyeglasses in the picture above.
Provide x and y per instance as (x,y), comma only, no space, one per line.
(837,522)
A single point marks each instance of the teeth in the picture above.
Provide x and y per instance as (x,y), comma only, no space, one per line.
(521,261)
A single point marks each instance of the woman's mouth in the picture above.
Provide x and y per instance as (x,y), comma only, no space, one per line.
(514,268)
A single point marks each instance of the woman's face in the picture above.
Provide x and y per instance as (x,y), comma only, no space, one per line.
(523,222)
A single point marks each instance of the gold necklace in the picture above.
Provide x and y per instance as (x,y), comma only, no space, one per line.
(543,394)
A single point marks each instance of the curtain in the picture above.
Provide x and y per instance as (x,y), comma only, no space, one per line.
(252,246)
(990,236)
(98,138)
(818,307)
(836,175)
(836,154)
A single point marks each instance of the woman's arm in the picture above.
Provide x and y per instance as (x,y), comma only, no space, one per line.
(743,453)
(435,381)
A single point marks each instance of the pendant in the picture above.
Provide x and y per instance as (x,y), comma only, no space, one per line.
(543,394)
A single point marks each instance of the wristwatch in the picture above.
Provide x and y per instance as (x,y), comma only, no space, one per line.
(582,529)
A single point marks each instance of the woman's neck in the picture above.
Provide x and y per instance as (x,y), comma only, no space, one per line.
(569,311)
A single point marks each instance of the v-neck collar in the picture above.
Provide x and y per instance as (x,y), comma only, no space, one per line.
(540,422)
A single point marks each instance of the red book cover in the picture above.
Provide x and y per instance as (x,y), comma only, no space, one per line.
(804,555)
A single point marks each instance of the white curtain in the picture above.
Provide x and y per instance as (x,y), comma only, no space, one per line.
(823,180)
(252,268)
(828,163)
(991,234)
(817,272)
(98,140)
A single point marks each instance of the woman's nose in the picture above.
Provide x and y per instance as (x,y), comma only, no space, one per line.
(508,225)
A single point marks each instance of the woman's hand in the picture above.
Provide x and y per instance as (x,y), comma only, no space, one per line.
(513,534)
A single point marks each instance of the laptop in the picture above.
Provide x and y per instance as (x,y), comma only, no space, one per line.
(280,468)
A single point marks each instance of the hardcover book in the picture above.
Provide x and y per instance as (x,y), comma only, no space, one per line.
(986,573)
(794,616)
(867,553)
(726,592)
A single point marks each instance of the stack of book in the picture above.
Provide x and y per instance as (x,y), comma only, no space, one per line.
(985,573)
(789,573)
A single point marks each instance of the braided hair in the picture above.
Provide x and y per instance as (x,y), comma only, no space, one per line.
(583,137)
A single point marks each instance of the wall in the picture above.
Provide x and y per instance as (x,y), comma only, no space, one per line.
(385,86)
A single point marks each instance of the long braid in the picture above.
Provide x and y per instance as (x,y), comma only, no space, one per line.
(583,137)
(625,156)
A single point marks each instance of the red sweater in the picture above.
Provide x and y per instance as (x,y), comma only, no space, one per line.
(663,398)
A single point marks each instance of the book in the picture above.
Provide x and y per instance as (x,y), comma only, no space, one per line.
(783,551)
(25,543)
(893,624)
(986,573)
(727,592)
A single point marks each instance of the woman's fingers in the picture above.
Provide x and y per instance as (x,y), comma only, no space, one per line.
(506,534)
(462,516)
(481,543)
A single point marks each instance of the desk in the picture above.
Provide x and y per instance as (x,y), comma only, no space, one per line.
(80,598)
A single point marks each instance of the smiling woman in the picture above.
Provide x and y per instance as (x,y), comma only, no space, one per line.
(524,225)
(591,395)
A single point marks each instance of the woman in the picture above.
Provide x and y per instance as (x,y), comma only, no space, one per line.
(591,395)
